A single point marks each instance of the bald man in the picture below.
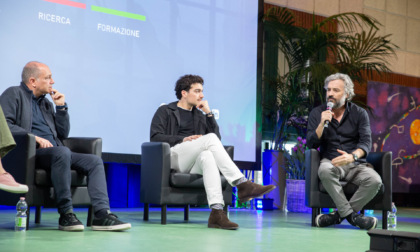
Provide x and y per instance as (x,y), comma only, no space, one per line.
(27,110)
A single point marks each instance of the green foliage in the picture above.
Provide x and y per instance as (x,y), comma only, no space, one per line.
(311,55)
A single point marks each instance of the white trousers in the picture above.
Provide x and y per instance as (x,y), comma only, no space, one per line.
(206,156)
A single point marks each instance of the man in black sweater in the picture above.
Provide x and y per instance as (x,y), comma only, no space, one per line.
(188,125)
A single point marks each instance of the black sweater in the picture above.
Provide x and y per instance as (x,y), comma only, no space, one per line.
(166,121)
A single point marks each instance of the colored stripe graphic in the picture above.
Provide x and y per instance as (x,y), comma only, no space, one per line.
(118,13)
(68,3)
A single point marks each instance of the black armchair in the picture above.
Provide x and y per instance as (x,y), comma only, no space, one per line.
(317,197)
(20,162)
(162,186)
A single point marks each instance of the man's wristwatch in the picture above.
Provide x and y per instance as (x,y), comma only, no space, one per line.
(63,107)
(355,157)
(209,114)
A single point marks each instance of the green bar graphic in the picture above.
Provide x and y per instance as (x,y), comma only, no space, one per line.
(118,13)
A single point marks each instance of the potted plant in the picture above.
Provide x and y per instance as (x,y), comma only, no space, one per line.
(295,182)
(291,103)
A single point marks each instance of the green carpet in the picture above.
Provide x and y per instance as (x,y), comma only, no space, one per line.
(259,231)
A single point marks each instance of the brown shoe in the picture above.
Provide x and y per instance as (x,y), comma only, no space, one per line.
(249,190)
(218,219)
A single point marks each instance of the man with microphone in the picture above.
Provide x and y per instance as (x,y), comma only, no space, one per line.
(342,131)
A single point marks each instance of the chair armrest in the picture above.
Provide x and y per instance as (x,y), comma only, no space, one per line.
(87,145)
(20,162)
(230,150)
(382,163)
(312,160)
(155,170)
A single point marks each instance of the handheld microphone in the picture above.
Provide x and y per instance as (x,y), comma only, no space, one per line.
(329,107)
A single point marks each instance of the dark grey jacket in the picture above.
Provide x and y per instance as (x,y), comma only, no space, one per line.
(166,121)
(17,107)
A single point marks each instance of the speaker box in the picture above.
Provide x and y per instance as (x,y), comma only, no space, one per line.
(387,240)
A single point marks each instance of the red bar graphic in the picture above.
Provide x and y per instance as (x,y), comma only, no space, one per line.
(69,3)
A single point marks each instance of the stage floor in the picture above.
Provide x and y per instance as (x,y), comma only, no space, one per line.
(259,231)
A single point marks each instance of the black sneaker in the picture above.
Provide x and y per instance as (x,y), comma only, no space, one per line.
(109,223)
(69,222)
(361,221)
(325,220)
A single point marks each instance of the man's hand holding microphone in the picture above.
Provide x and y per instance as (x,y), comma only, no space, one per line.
(326,118)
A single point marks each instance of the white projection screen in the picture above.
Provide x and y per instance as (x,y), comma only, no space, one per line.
(118,61)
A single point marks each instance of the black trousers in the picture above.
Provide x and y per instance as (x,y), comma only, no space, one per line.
(59,160)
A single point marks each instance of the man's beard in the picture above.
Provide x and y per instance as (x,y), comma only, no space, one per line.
(337,104)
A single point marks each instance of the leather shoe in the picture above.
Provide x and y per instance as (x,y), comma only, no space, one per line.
(249,190)
(218,219)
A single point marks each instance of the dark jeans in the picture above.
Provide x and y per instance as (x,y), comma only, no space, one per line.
(59,160)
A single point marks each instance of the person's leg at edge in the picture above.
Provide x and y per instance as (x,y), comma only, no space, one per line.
(7,143)
(8,183)
(92,166)
(2,170)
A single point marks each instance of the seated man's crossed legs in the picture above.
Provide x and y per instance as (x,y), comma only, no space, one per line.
(207,156)
(362,175)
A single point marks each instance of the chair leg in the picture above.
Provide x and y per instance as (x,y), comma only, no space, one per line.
(28,214)
(186,212)
(315,213)
(384,219)
(163,215)
(90,216)
(146,212)
(226,209)
(38,215)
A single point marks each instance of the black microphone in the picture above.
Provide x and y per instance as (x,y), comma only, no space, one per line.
(329,107)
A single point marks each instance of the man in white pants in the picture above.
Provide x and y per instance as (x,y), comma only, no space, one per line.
(196,148)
